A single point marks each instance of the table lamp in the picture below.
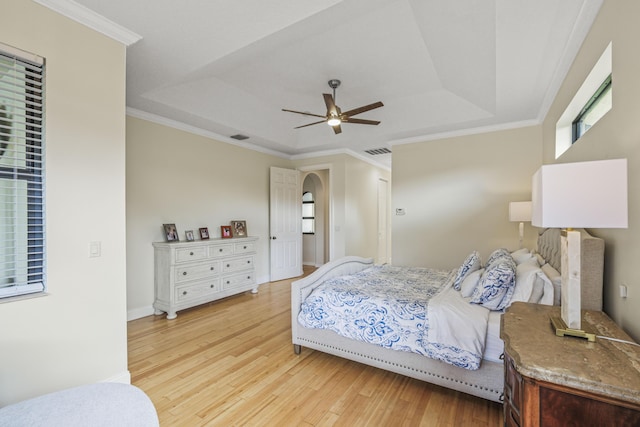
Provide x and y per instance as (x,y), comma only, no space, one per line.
(520,212)
(581,195)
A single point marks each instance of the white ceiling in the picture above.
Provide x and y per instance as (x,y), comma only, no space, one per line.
(440,67)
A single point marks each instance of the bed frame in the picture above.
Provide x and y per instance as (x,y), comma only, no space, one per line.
(486,382)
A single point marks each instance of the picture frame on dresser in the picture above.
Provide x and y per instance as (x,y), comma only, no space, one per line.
(171,232)
(189,235)
(204,233)
(239,228)
(225,231)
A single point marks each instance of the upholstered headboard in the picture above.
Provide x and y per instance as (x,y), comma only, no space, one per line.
(591,263)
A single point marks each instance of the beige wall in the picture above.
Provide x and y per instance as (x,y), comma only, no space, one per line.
(617,135)
(456,194)
(77,334)
(193,181)
(361,207)
(353,188)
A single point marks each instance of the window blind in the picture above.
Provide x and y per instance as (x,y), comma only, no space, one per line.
(22,233)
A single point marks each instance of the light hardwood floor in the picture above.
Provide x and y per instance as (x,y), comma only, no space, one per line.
(231,363)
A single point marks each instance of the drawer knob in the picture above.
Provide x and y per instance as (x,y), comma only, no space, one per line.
(191,253)
(245,247)
(211,268)
(211,286)
(184,292)
(248,277)
(228,282)
(228,265)
(248,262)
(184,273)
(220,249)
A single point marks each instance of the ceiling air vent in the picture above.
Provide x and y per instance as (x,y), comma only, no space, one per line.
(376,151)
(239,137)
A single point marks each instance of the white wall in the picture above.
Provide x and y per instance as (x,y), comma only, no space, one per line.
(456,194)
(616,135)
(178,177)
(77,334)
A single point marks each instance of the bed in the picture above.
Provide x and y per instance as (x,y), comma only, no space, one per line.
(487,380)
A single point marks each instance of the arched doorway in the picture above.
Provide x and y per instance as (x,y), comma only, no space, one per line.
(315,218)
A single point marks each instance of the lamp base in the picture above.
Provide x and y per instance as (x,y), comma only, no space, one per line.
(562,330)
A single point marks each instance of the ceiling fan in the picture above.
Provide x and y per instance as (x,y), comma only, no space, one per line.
(335,116)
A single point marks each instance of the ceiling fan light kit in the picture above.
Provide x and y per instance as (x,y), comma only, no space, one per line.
(334,116)
(334,121)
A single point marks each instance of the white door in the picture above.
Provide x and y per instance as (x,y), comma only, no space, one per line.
(383,226)
(285,224)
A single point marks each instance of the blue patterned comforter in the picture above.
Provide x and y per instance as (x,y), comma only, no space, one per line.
(401,308)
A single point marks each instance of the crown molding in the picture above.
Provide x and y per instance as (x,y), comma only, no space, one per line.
(91,19)
(154,118)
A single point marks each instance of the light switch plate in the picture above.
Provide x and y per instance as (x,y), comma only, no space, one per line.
(95,249)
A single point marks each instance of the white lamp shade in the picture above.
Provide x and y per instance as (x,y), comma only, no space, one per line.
(520,211)
(581,195)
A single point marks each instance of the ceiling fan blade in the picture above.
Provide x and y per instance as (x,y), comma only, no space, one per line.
(314,123)
(337,129)
(331,106)
(361,121)
(306,114)
(363,109)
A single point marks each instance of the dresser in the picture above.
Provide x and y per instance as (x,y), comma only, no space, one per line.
(193,273)
(560,381)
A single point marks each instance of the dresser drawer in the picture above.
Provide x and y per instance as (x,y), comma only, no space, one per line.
(220,250)
(191,254)
(188,274)
(243,248)
(237,264)
(197,290)
(236,280)
(197,271)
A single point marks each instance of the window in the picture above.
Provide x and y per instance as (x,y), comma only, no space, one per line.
(596,107)
(591,102)
(22,257)
(308,213)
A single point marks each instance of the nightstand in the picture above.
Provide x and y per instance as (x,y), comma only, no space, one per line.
(560,381)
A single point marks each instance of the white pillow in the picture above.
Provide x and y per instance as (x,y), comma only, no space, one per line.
(541,260)
(524,255)
(526,275)
(549,295)
(538,289)
(470,282)
(556,280)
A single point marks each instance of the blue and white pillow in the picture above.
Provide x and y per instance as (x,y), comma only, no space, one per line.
(498,255)
(496,286)
(470,264)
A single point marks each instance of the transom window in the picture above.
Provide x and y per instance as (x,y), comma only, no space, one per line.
(22,257)
(594,110)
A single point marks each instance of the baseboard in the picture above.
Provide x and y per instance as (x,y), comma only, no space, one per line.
(137,313)
(140,312)
(123,378)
